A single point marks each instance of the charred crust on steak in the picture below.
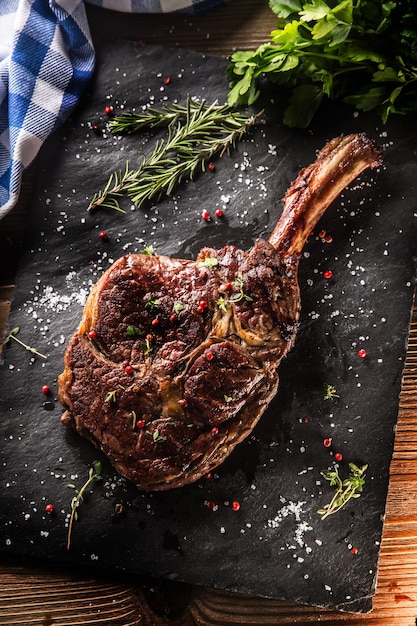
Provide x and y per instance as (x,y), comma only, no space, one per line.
(175,361)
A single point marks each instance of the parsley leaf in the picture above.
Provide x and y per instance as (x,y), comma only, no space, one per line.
(361,52)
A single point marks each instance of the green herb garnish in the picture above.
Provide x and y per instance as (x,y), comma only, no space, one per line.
(345,490)
(240,295)
(93,474)
(330,392)
(363,52)
(12,335)
(197,132)
(147,347)
(132,122)
(209,262)
(156,436)
(110,397)
(133,331)
(151,304)
(178,307)
(222,304)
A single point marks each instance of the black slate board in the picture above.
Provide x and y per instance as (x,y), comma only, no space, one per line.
(275,545)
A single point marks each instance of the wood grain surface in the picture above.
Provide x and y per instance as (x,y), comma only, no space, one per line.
(34,594)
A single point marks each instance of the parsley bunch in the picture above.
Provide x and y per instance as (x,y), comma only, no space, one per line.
(363,52)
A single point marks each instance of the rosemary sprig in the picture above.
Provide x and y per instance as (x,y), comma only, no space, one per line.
(347,489)
(12,335)
(132,122)
(197,132)
(93,474)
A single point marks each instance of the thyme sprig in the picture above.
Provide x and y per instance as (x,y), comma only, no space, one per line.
(330,392)
(12,335)
(156,436)
(347,489)
(94,474)
(197,132)
(240,294)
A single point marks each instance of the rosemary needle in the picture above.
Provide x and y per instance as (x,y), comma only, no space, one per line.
(196,133)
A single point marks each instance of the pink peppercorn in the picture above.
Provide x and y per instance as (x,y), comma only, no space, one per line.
(202,306)
(327,442)
(235,505)
(362,353)
(327,274)
(49,508)
(45,389)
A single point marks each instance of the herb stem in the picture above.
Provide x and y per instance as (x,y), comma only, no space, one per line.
(12,335)
(93,474)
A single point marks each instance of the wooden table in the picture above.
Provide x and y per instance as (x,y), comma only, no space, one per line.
(31,593)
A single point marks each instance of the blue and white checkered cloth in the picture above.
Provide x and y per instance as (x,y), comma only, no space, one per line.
(46,61)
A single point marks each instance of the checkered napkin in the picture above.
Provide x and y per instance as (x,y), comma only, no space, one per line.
(46,60)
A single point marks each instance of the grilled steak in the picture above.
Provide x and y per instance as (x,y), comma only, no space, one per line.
(175,361)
